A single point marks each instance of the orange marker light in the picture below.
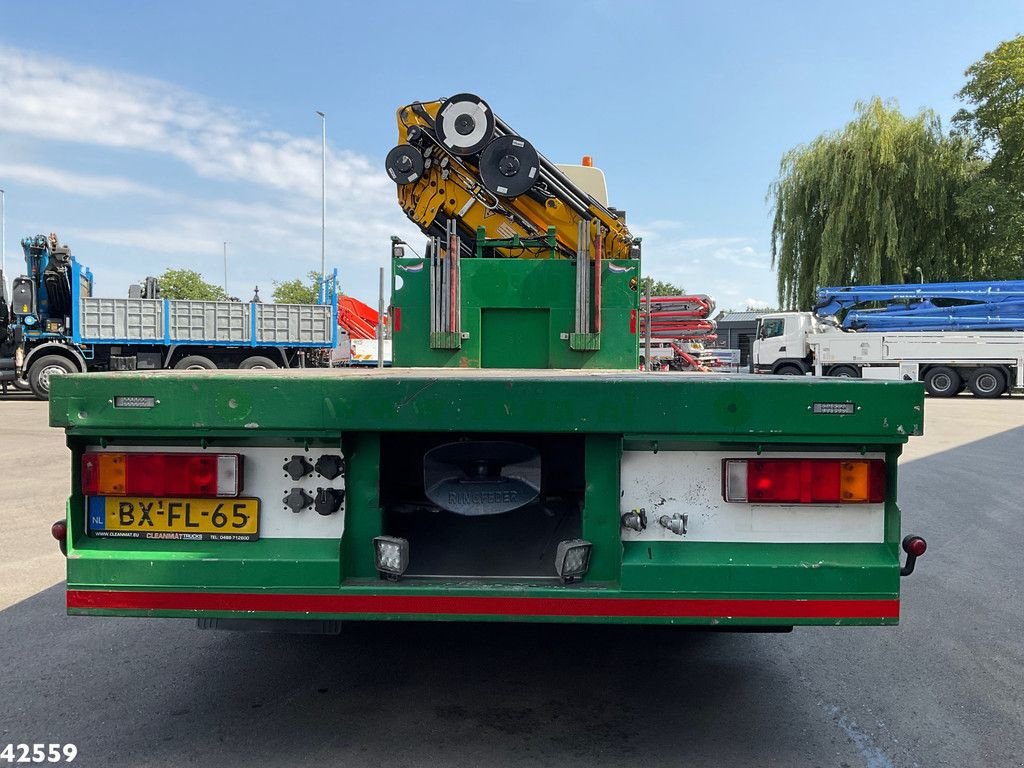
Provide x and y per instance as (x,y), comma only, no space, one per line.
(103,474)
(588,161)
(854,481)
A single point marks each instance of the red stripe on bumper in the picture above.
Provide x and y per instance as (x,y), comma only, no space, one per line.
(483,606)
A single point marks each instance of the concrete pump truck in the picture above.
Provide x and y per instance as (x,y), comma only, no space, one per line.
(513,464)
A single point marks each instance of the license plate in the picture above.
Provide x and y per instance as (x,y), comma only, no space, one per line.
(181,519)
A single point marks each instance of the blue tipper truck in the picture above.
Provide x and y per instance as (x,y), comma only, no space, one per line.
(53,325)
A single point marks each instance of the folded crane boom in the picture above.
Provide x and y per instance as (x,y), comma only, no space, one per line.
(457,160)
(963,306)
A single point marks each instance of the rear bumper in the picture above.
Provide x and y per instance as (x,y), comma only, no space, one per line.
(476,607)
(696,584)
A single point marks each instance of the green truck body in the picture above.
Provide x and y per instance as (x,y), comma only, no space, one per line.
(608,415)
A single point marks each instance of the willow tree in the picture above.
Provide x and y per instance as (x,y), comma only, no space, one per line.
(994,119)
(869,204)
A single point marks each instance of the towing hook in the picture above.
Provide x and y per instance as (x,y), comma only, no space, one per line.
(914,546)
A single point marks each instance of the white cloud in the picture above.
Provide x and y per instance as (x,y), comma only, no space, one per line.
(275,232)
(44,100)
(729,268)
(53,99)
(77,183)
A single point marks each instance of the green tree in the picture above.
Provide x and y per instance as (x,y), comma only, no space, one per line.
(296,291)
(870,203)
(659,288)
(187,284)
(994,120)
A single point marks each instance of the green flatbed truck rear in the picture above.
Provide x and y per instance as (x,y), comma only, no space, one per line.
(513,465)
(596,429)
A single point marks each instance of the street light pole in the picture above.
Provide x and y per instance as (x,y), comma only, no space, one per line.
(3,244)
(225,269)
(323,207)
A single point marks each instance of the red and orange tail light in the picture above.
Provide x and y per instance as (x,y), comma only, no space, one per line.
(804,481)
(161,474)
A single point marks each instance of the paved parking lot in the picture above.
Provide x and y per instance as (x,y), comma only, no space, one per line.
(945,688)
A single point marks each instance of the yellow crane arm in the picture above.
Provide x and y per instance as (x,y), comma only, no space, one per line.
(457,160)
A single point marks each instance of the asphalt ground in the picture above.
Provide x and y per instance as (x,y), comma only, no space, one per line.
(945,688)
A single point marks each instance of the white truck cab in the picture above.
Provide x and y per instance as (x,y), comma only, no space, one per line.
(989,363)
(781,343)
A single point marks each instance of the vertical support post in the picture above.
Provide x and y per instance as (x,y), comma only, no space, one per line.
(586,276)
(453,277)
(578,308)
(226,269)
(647,331)
(323,203)
(380,321)
(442,269)
(445,290)
(458,287)
(582,277)
(433,285)
(598,252)
(3,244)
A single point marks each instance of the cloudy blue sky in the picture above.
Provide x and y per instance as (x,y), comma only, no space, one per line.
(146,134)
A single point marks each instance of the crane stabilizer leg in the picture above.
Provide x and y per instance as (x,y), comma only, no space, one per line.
(445,288)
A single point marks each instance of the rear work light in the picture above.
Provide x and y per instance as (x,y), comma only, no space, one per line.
(161,474)
(804,481)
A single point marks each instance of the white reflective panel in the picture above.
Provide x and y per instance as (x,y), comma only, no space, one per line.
(690,483)
(227,475)
(736,480)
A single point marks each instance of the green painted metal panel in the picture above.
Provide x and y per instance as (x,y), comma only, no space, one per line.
(296,404)
(514,338)
(523,284)
(601,506)
(362,505)
(648,569)
(818,570)
(278,563)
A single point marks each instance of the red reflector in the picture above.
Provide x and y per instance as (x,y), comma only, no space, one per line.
(396,319)
(632,321)
(59,530)
(804,481)
(161,474)
(916,546)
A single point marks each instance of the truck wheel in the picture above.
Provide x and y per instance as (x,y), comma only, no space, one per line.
(43,369)
(987,382)
(195,363)
(942,382)
(258,362)
(844,372)
(789,370)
